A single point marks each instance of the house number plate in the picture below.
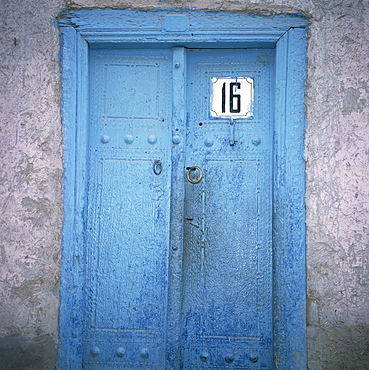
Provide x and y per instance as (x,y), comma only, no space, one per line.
(232,97)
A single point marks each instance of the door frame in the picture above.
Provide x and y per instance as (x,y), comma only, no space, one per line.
(107,28)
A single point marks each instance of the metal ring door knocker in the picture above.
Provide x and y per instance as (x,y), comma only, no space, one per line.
(157,167)
(193,169)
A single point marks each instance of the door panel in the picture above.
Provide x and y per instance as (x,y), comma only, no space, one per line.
(226,268)
(227,271)
(128,210)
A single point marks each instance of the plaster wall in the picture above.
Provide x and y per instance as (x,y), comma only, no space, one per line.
(337,164)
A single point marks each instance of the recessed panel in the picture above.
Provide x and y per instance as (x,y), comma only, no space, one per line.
(130,290)
(133,91)
(231,257)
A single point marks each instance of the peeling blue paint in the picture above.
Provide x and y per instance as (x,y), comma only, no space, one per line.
(80,315)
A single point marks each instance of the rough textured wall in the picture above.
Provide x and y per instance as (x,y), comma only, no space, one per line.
(337,158)
(30,183)
(337,152)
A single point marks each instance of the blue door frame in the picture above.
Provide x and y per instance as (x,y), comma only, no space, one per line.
(87,29)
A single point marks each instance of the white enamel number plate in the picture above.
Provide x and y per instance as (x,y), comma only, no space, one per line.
(232,97)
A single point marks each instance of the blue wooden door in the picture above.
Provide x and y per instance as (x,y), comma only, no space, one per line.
(227,261)
(128,213)
(219,315)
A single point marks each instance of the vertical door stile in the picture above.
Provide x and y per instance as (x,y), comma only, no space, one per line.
(177,206)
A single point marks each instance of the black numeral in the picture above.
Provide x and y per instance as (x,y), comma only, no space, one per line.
(223,97)
(233,98)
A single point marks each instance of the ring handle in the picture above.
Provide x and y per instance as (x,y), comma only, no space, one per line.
(157,167)
(192,169)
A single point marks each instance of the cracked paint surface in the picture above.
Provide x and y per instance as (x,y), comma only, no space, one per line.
(337,157)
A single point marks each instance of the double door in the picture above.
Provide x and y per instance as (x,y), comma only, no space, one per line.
(179,210)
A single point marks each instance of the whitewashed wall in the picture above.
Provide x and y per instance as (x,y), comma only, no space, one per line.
(337,161)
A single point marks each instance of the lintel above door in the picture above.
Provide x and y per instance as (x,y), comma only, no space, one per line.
(103,28)
(106,28)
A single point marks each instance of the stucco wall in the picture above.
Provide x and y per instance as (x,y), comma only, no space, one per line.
(337,158)
(30,183)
